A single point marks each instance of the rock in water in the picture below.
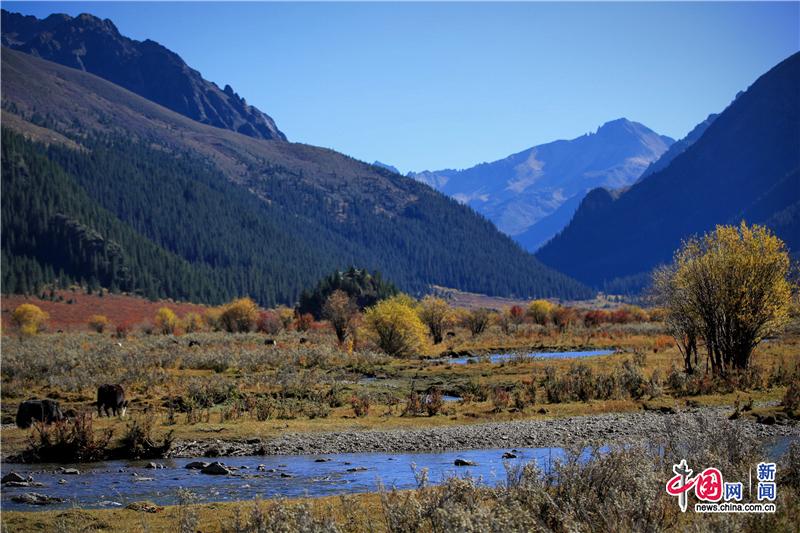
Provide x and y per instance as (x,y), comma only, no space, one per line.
(13,476)
(196,465)
(34,498)
(464,462)
(216,469)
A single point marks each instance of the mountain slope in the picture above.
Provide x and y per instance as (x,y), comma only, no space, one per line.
(546,228)
(526,187)
(678,147)
(146,68)
(745,166)
(291,212)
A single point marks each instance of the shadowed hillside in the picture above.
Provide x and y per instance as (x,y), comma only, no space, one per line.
(746,166)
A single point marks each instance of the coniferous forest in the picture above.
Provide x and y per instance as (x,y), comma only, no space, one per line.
(141,218)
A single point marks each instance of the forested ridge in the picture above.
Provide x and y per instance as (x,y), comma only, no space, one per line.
(153,220)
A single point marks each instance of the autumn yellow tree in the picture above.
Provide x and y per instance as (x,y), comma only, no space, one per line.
(540,312)
(211,317)
(30,319)
(730,288)
(340,309)
(192,322)
(396,327)
(239,316)
(166,321)
(437,315)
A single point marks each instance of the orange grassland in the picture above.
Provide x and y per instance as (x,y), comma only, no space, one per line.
(118,308)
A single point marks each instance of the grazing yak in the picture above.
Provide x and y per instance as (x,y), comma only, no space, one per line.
(111,397)
(44,411)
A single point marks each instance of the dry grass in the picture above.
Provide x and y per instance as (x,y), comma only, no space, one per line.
(233,386)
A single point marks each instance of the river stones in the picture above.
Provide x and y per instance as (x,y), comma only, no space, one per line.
(464,462)
(357,469)
(70,471)
(23,484)
(322,460)
(155,466)
(34,498)
(196,465)
(12,477)
(509,455)
(216,469)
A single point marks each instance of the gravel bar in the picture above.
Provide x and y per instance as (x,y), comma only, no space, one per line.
(559,432)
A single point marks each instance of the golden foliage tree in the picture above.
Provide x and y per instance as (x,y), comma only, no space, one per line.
(540,311)
(729,288)
(192,322)
(340,309)
(30,319)
(396,327)
(166,321)
(239,316)
(437,315)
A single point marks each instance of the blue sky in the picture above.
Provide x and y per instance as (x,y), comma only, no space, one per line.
(436,85)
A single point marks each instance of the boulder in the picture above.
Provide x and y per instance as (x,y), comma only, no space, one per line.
(196,465)
(216,469)
(509,455)
(12,476)
(34,498)
(464,462)
(70,471)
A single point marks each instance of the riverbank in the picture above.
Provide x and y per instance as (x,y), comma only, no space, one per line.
(648,425)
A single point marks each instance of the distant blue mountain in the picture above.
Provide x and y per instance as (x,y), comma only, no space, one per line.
(518,192)
(744,166)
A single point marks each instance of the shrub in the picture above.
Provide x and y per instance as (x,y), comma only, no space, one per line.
(632,380)
(192,323)
(539,312)
(360,404)
(434,402)
(269,322)
(340,309)
(166,321)
(437,315)
(303,322)
(563,317)
(500,398)
(595,318)
(395,326)
(98,323)
(71,440)
(212,317)
(138,441)
(239,316)
(30,319)
(285,315)
(122,330)
(477,320)
(791,400)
